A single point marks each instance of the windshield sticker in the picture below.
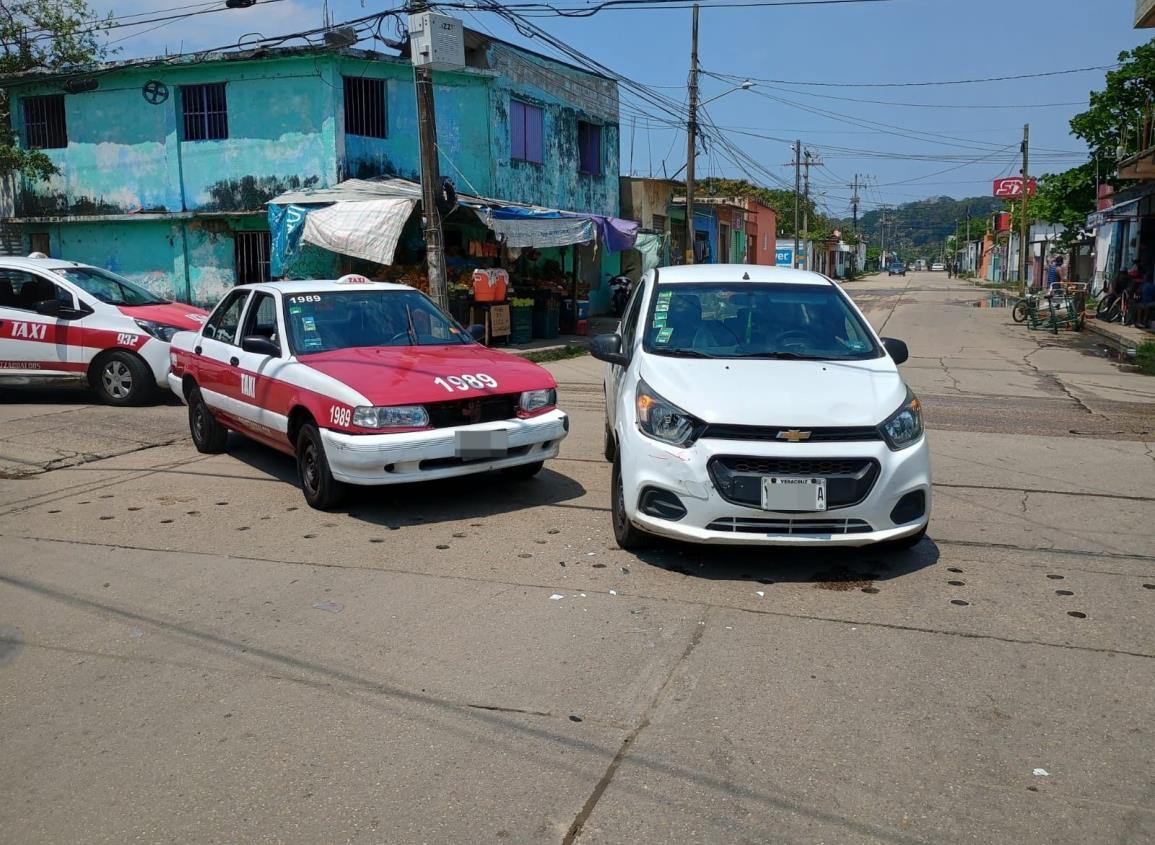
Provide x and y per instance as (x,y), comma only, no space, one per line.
(308,324)
(664,335)
(660,319)
(663,303)
(858,345)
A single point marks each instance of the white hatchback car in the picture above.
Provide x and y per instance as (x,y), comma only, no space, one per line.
(756,405)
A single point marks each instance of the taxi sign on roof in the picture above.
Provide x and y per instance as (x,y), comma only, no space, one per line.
(353,279)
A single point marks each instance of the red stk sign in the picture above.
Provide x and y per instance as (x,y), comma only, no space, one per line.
(1012,187)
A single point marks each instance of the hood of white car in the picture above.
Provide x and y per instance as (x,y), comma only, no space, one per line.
(791,394)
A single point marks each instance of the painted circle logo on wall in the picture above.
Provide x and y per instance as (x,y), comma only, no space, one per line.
(155,91)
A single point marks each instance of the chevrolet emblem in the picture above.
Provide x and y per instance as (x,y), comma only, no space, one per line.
(794,435)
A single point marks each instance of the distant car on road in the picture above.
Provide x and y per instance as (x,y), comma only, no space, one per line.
(365,384)
(896,269)
(938,267)
(756,406)
(63,322)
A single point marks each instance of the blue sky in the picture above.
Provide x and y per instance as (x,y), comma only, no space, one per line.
(880,42)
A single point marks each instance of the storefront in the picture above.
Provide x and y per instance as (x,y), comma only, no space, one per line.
(522,271)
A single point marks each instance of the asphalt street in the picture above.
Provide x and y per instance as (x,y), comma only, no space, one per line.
(188,653)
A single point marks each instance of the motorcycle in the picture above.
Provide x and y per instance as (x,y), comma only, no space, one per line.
(621,286)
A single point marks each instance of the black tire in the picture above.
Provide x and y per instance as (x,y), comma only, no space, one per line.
(524,472)
(628,536)
(904,543)
(208,435)
(610,446)
(121,378)
(322,491)
(1109,309)
(1019,312)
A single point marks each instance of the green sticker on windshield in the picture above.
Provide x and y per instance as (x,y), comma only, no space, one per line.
(660,319)
(663,303)
(664,335)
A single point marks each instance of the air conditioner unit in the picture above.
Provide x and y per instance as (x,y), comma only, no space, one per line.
(436,41)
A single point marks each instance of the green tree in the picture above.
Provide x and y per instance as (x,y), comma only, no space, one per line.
(1117,113)
(55,36)
(1066,199)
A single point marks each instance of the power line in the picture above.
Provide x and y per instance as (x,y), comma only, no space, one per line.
(925,105)
(842,84)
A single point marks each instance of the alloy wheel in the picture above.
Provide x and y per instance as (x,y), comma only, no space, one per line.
(117,379)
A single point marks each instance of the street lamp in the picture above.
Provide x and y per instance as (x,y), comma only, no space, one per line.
(745,86)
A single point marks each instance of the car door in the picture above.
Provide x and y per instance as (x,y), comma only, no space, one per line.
(263,397)
(32,343)
(217,356)
(615,374)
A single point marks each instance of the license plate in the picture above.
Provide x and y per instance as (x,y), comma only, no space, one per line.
(792,493)
(488,443)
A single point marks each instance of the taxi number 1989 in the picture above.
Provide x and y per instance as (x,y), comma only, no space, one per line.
(466,382)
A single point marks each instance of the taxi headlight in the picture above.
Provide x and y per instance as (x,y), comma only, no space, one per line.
(532,401)
(159,330)
(663,420)
(904,427)
(398,416)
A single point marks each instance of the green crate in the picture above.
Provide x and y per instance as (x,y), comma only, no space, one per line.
(520,324)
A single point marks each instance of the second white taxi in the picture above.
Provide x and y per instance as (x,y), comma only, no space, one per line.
(365,384)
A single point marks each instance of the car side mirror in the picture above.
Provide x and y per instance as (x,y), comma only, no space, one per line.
(477,332)
(608,348)
(260,345)
(896,349)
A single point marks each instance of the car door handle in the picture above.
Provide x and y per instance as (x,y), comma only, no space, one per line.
(235,360)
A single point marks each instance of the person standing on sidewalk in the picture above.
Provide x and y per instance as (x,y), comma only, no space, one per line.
(1055,276)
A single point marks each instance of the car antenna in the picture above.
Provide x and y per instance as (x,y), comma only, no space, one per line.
(745,277)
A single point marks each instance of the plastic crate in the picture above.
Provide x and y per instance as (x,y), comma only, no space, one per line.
(520,324)
(546,320)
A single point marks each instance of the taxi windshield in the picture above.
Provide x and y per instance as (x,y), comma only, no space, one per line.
(325,321)
(109,288)
(745,320)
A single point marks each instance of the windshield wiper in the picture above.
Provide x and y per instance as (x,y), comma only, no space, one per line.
(791,356)
(687,353)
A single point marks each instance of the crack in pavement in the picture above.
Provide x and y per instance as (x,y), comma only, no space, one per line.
(954,385)
(1053,379)
(1080,493)
(602,785)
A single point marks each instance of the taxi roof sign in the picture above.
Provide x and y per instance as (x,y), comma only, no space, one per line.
(354,279)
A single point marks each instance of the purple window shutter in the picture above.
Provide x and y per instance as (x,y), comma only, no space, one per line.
(533,135)
(517,112)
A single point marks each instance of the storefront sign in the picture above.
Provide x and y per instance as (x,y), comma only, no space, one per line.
(783,257)
(1012,187)
(499,321)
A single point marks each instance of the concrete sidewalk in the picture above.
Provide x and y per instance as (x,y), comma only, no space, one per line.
(1125,339)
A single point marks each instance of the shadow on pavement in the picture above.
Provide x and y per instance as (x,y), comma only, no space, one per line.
(69,395)
(425,503)
(831,568)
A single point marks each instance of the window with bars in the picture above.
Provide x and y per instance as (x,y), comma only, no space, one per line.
(44,124)
(525,132)
(365,107)
(205,111)
(252,251)
(589,148)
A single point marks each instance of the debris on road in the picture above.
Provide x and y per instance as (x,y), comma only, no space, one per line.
(1041,773)
(556,597)
(328,606)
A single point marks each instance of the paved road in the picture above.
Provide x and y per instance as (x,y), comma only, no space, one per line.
(187,653)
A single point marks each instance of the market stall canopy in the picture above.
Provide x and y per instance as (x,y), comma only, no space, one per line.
(367,215)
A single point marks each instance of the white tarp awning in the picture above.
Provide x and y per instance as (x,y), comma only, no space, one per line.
(542,232)
(368,229)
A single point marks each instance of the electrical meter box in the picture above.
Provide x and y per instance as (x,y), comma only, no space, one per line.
(436,41)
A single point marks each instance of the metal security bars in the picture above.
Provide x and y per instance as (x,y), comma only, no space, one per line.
(205,110)
(44,126)
(365,107)
(252,253)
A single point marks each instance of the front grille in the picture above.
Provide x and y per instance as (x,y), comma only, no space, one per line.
(738,479)
(855,434)
(470,411)
(746,525)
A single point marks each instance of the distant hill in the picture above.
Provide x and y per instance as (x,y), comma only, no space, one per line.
(918,229)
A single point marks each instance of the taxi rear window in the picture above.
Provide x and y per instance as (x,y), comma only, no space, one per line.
(325,321)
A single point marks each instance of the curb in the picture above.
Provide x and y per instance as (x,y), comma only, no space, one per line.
(1120,338)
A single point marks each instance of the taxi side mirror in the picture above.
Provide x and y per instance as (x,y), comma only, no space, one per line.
(260,345)
(608,348)
(477,332)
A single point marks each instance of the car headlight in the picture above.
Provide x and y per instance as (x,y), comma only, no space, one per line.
(159,330)
(904,427)
(532,401)
(663,420)
(398,416)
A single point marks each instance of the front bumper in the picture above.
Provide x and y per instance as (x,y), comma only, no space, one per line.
(711,519)
(372,459)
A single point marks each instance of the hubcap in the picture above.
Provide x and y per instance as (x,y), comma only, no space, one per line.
(620,501)
(309,472)
(199,421)
(117,379)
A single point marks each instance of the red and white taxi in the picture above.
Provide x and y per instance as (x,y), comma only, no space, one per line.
(61,321)
(365,383)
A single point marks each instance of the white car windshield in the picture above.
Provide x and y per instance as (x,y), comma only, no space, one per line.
(109,288)
(745,320)
(322,322)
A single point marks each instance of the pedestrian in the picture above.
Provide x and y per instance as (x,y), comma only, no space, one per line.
(1143,310)
(1055,275)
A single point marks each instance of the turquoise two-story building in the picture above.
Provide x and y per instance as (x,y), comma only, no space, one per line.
(165,165)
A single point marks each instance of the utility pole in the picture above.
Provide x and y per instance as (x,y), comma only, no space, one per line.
(1025,226)
(430,179)
(810,159)
(968,253)
(854,202)
(797,194)
(882,246)
(692,141)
